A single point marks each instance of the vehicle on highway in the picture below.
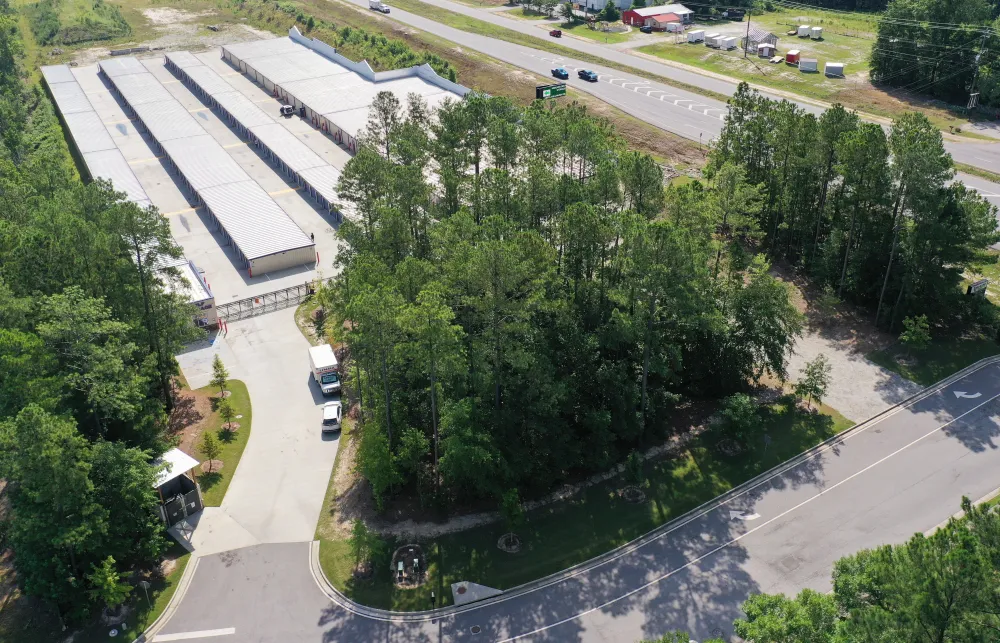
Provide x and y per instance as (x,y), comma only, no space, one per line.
(331,417)
(556,33)
(378,5)
(325,369)
(560,72)
(586,74)
(646,29)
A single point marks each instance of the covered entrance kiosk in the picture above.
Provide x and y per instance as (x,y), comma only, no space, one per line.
(179,493)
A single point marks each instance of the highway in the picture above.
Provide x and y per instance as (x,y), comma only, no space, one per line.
(901,473)
(685,113)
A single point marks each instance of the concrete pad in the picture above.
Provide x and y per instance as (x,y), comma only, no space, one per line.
(211,531)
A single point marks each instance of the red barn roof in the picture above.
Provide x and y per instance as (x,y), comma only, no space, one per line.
(666,17)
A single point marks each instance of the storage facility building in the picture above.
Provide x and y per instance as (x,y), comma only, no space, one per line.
(333,92)
(289,153)
(263,235)
(660,14)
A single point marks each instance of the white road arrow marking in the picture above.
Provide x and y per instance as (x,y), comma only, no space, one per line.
(733,515)
(968,396)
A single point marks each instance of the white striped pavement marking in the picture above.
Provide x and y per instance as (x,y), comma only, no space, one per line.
(187,636)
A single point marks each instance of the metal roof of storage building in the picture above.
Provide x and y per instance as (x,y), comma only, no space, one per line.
(254,221)
(111,165)
(286,146)
(138,89)
(184,59)
(323,179)
(167,120)
(209,81)
(317,94)
(89,132)
(295,65)
(203,162)
(58,74)
(70,98)
(117,67)
(248,50)
(243,109)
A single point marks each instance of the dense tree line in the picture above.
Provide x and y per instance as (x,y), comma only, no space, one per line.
(932,47)
(872,214)
(933,588)
(87,335)
(524,301)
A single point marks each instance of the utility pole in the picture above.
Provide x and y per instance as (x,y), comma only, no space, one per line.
(746,43)
(973,94)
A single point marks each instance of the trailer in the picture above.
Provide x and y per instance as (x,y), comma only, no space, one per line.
(808,64)
(816,33)
(834,70)
(696,36)
(792,57)
(727,44)
(712,40)
(804,31)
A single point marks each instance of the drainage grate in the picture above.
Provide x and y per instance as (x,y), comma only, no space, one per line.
(476,629)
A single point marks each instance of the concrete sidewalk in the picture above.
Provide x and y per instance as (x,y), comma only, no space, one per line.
(277,492)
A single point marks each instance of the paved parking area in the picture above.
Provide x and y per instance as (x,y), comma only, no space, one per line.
(277,492)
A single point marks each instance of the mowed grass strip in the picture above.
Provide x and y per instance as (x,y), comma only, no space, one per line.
(595,520)
(942,358)
(215,484)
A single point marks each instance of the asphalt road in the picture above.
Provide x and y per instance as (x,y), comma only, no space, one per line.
(685,113)
(903,474)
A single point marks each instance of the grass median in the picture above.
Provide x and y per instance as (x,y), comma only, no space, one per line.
(593,521)
(215,484)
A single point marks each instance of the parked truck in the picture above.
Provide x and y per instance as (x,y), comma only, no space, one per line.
(378,5)
(325,369)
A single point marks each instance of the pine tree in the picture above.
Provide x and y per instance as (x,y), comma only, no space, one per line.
(219,375)
(210,448)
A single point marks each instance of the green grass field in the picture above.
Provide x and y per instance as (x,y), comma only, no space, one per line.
(936,362)
(595,520)
(583,31)
(215,484)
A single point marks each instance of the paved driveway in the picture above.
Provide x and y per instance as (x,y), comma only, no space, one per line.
(277,491)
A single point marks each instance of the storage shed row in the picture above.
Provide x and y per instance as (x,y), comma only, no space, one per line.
(294,157)
(263,235)
(90,137)
(335,93)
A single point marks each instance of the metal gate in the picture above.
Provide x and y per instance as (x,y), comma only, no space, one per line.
(266,303)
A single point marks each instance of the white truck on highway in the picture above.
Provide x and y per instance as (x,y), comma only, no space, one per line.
(378,5)
(325,369)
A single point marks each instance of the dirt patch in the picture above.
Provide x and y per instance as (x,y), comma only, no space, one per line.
(189,418)
(163,16)
(211,466)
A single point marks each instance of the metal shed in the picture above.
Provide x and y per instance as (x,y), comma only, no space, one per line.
(757,37)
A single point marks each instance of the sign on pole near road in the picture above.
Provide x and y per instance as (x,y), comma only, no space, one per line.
(550,91)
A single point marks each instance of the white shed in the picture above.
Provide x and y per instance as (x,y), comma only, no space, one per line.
(808,64)
(816,33)
(712,40)
(727,43)
(765,50)
(696,36)
(834,69)
(804,31)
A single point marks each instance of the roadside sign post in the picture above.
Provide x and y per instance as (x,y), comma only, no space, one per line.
(550,91)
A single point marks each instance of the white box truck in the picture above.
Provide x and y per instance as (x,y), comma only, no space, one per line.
(325,369)
(378,5)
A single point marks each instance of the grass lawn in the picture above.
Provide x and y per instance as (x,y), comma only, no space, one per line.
(938,361)
(594,521)
(581,29)
(978,171)
(523,13)
(214,485)
(482,28)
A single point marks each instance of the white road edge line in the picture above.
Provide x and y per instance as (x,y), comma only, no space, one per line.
(187,636)
(741,537)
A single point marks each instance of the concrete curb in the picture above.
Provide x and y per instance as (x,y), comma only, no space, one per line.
(175,600)
(387,615)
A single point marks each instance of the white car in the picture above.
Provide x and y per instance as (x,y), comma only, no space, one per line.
(331,417)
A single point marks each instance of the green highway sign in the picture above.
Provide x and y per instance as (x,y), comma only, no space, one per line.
(550,91)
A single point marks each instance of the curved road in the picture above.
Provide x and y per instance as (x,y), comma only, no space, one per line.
(900,473)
